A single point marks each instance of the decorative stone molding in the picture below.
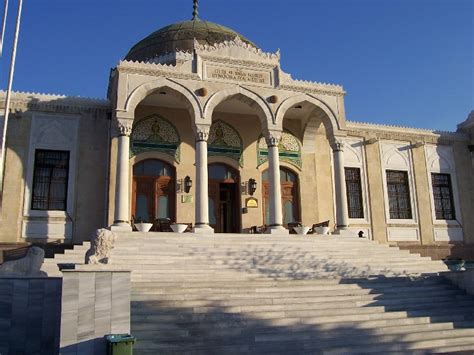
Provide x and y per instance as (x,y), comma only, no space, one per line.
(102,243)
(124,127)
(30,101)
(223,48)
(29,266)
(392,132)
(288,83)
(202,132)
(153,69)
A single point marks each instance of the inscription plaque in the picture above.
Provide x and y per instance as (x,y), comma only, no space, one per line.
(238,74)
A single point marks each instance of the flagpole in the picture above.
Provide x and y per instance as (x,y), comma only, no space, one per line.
(8,97)
(4,25)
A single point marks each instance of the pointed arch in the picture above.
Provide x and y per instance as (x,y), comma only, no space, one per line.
(181,93)
(299,99)
(251,98)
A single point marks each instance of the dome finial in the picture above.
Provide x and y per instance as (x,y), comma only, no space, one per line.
(195,9)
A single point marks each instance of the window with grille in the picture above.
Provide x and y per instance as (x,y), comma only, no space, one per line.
(50,180)
(354,193)
(398,194)
(443,196)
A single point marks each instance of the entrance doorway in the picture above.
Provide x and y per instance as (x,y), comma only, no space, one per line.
(289,196)
(153,191)
(224,211)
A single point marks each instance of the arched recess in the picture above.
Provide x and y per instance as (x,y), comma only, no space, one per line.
(225,141)
(289,150)
(247,96)
(321,113)
(155,133)
(153,190)
(179,91)
(290,195)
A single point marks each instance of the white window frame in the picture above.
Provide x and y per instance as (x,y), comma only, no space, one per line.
(403,149)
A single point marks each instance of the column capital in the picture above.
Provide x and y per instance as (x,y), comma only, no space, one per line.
(202,132)
(123,127)
(273,138)
(338,146)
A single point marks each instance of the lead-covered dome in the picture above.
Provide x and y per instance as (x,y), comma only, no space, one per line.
(180,37)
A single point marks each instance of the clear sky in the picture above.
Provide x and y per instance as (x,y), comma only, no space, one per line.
(402,62)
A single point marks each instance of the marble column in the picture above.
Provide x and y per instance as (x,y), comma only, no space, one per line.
(122,195)
(202,182)
(276,210)
(342,214)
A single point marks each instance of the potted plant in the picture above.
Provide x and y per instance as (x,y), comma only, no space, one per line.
(454,264)
(143,225)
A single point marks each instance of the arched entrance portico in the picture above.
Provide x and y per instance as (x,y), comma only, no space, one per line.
(153,190)
(290,201)
(224,211)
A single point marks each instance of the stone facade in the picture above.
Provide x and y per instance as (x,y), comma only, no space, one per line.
(229,104)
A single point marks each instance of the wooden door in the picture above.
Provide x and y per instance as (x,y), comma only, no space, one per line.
(289,197)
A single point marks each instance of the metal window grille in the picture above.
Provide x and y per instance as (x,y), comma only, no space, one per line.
(50,180)
(443,196)
(399,195)
(354,193)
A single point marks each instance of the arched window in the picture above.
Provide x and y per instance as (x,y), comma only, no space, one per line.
(289,196)
(153,190)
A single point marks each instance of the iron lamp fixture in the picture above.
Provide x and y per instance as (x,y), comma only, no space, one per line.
(188,183)
(252,186)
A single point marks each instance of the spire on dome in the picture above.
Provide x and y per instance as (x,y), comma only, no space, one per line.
(195,10)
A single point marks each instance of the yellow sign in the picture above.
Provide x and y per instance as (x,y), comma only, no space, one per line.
(251,202)
(186,198)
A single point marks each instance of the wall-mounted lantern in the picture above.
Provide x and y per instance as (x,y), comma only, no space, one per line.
(188,183)
(252,186)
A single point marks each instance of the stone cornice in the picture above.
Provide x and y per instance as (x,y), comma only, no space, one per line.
(402,133)
(155,69)
(23,101)
(288,83)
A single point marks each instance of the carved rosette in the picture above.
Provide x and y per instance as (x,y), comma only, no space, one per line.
(202,133)
(124,127)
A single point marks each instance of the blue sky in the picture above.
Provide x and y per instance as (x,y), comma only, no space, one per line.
(402,62)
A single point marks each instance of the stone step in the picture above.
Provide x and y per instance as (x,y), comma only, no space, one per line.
(329,289)
(295,342)
(399,293)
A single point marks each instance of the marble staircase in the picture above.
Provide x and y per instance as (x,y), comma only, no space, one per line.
(285,294)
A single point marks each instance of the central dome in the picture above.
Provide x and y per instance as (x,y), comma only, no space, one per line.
(180,37)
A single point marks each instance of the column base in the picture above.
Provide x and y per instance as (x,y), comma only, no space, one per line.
(203,229)
(121,227)
(277,230)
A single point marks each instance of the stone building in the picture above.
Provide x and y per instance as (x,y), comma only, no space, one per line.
(201,126)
